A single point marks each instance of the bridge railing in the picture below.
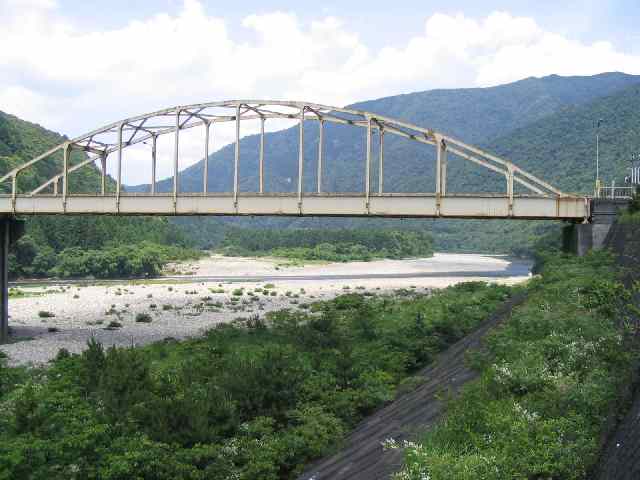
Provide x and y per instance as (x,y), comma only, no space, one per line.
(613,192)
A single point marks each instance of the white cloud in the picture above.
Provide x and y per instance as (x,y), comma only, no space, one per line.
(55,73)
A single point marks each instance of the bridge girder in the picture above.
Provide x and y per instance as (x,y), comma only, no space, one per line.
(99,144)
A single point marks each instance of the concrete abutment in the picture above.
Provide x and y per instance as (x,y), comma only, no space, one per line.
(580,238)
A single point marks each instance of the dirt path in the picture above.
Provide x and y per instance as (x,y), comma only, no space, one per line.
(362,456)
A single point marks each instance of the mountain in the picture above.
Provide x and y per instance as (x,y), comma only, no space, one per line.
(545,125)
(561,147)
(475,116)
(21,141)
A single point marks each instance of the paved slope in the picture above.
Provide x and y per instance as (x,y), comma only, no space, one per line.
(620,457)
(362,456)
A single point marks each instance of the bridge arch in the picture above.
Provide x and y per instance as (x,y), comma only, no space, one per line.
(53,196)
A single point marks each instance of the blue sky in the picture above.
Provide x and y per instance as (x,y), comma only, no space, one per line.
(75,65)
(588,20)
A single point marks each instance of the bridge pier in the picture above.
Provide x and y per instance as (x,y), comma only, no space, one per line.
(10,231)
(5,234)
(582,238)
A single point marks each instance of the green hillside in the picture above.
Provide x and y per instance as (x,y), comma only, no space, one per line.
(20,141)
(559,148)
(473,115)
(53,240)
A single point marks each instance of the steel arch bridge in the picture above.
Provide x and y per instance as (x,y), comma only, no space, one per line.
(54,196)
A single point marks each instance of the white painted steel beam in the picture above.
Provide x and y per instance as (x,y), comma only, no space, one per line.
(545,201)
(313,204)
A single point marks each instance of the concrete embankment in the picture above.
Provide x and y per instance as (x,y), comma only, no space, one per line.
(362,456)
(620,458)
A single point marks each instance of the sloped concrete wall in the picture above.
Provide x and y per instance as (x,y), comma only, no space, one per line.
(620,459)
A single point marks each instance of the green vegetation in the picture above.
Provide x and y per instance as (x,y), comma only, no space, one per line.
(52,243)
(143,318)
(632,215)
(254,399)
(330,245)
(549,379)
(142,259)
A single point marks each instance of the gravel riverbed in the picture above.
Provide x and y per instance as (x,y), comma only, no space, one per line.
(49,318)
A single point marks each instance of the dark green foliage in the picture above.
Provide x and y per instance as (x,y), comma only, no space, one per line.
(254,400)
(550,377)
(632,215)
(39,251)
(143,259)
(125,260)
(325,244)
(143,318)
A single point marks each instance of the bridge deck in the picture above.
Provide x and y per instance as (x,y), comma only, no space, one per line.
(422,205)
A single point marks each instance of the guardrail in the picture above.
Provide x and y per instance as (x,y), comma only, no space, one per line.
(614,192)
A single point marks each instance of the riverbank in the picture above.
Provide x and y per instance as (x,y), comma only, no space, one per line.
(217,289)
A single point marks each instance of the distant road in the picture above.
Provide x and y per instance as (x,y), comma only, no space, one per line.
(514,269)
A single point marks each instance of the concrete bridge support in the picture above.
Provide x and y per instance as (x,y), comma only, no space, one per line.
(5,234)
(10,231)
(582,238)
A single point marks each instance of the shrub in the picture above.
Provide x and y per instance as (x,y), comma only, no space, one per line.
(550,377)
(143,318)
(45,314)
(253,399)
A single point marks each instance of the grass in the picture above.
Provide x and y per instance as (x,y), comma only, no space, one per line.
(549,378)
(21,293)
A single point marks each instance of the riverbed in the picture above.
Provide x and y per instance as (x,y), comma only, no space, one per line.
(196,296)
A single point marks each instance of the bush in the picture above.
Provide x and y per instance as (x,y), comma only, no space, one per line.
(329,245)
(143,259)
(254,399)
(45,314)
(143,318)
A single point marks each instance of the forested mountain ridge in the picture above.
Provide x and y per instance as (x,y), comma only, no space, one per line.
(544,125)
(20,141)
(475,115)
(54,241)
(561,147)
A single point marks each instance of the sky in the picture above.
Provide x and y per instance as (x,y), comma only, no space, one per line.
(75,65)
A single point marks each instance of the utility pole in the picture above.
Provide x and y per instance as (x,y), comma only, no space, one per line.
(600,120)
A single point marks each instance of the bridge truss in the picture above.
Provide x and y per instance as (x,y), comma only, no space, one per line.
(54,196)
